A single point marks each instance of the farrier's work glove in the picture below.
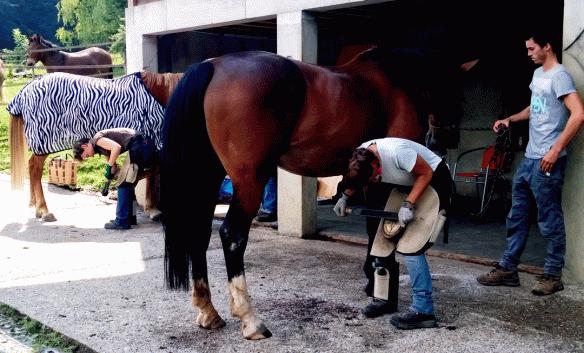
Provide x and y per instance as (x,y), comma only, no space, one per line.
(406,213)
(341,206)
(108,172)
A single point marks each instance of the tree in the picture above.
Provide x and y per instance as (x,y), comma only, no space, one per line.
(20,47)
(89,21)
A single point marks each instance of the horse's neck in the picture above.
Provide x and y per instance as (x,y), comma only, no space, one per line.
(160,86)
(54,58)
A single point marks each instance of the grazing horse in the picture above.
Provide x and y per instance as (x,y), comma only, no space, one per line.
(58,109)
(92,61)
(244,114)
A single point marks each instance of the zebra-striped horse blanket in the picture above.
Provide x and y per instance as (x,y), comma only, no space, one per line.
(60,108)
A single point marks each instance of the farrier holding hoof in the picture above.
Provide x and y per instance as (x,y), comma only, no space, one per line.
(421,209)
(142,156)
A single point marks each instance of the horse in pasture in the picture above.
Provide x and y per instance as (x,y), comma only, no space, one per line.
(92,61)
(244,114)
(57,109)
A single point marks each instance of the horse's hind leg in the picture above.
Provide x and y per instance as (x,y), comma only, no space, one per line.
(37,197)
(208,316)
(234,235)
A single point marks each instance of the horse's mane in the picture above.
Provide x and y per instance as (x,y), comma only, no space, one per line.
(45,42)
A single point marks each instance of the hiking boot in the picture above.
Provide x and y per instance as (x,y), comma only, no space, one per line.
(499,276)
(133,220)
(547,285)
(378,307)
(117,226)
(266,217)
(412,320)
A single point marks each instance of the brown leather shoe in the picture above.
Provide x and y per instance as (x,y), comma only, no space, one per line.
(547,285)
(499,276)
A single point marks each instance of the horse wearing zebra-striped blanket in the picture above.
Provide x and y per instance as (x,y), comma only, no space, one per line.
(57,109)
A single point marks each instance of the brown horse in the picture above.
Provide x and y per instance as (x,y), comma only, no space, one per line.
(244,114)
(92,61)
(160,86)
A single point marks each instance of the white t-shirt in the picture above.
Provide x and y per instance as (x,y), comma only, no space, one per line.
(398,157)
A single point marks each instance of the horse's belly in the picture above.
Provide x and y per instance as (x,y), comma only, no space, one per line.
(314,163)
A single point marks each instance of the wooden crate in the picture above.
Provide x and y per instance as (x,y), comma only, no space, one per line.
(63,172)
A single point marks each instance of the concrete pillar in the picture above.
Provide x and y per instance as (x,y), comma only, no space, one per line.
(141,50)
(573,195)
(297,38)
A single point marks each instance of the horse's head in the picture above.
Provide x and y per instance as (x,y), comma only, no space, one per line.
(36,49)
(431,80)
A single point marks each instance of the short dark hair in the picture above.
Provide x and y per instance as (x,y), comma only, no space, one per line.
(78,148)
(543,36)
(360,168)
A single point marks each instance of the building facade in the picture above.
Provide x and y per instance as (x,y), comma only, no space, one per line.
(169,35)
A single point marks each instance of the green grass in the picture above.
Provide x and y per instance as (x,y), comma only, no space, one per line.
(42,336)
(90,172)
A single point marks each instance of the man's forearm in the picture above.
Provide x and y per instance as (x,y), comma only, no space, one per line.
(521,116)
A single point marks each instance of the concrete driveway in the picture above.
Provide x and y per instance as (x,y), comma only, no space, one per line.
(105,289)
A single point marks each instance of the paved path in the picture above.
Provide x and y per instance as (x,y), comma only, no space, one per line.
(105,289)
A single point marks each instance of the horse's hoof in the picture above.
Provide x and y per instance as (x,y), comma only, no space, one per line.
(49,217)
(155,215)
(259,332)
(210,322)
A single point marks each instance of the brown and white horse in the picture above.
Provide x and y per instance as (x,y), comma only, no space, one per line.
(246,113)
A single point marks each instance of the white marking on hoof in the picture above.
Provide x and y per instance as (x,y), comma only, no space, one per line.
(210,321)
(208,317)
(252,328)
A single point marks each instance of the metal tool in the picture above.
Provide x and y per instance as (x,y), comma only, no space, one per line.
(392,216)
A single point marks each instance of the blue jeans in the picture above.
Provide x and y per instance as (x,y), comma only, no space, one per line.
(421,284)
(547,191)
(124,205)
(270,200)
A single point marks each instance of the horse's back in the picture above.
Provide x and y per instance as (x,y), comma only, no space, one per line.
(252,102)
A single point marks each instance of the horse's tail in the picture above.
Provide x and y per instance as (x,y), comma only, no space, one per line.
(186,146)
(17,152)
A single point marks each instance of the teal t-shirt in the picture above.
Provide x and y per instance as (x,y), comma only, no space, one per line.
(548,114)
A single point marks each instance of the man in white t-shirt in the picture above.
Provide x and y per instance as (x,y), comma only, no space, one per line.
(401,162)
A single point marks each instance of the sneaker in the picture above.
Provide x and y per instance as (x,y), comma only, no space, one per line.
(499,276)
(266,217)
(116,225)
(378,307)
(546,285)
(412,320)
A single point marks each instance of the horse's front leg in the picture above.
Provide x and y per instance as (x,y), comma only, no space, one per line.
(234,235)
(37,197)
(150,208)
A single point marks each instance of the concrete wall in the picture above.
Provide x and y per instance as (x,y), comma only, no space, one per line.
(573,196)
